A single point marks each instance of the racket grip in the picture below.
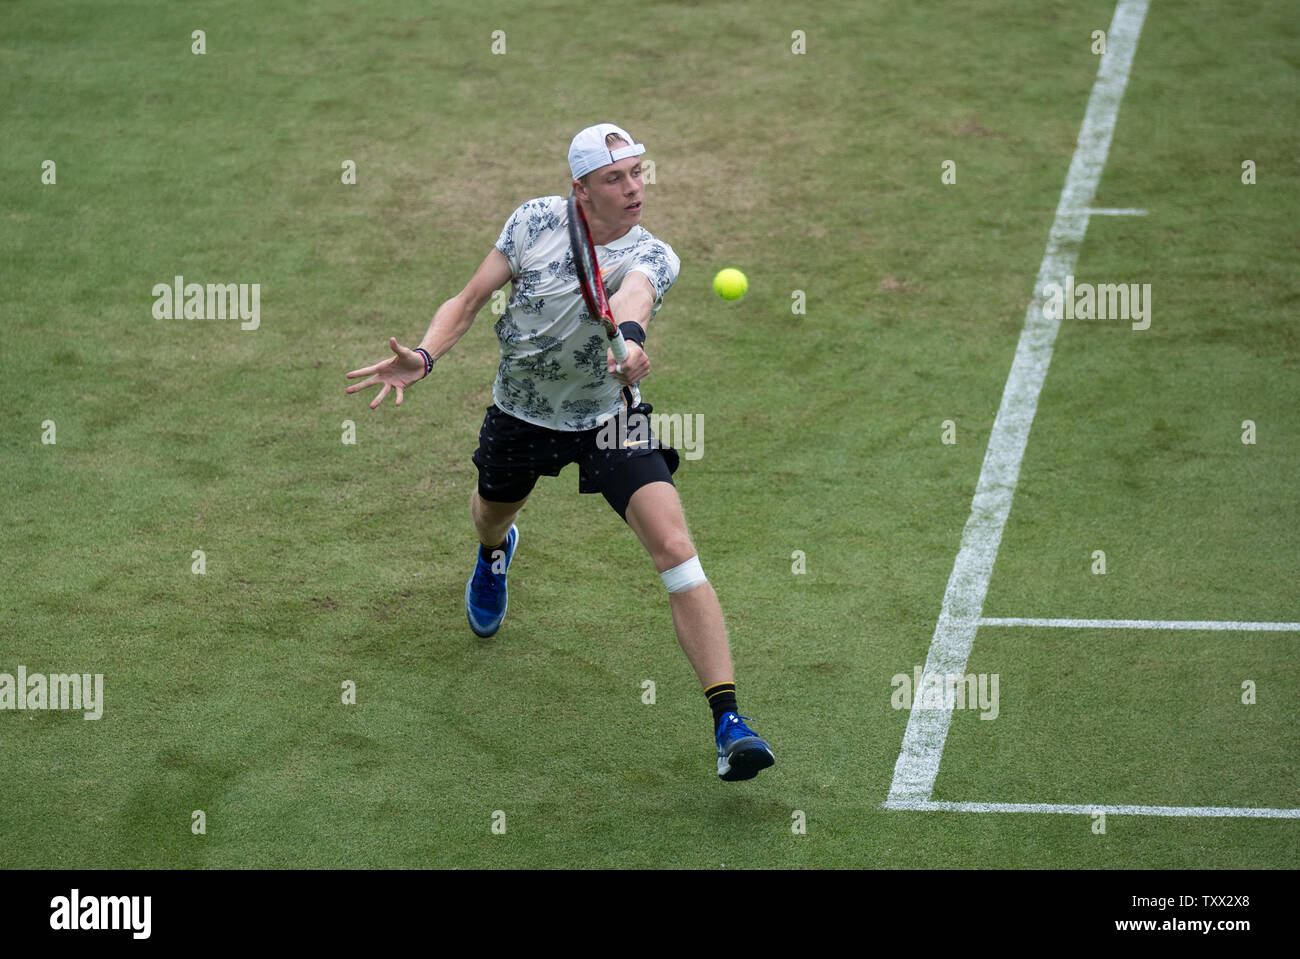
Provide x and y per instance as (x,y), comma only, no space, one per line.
(619,346)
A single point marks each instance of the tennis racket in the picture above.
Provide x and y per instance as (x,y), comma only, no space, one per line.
(589,281)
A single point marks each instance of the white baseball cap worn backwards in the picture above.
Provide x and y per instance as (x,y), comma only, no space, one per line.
(588,151)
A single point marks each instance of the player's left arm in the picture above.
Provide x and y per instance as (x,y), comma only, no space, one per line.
(633,303)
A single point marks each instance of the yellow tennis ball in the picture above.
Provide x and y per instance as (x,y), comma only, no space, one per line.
(730,284)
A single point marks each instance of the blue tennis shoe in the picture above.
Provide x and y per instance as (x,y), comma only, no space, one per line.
(485,593)
(741,753)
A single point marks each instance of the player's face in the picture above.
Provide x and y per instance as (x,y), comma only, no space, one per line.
(615,193)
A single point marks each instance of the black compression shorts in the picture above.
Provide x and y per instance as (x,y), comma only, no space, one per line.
(512,454)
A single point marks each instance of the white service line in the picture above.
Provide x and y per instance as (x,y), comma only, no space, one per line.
(1210,624)
(963,601)
(1080,809)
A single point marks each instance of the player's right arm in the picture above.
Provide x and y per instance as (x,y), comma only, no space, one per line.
(457,315)
(449,324)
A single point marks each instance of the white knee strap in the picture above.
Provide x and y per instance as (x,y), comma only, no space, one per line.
(687,576)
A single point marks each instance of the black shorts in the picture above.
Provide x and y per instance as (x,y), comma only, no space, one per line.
(512,454)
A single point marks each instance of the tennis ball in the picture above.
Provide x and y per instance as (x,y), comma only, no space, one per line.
(730,284)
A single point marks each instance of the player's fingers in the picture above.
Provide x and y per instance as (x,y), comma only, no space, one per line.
(380,398)
(399,396)
(364,371)
(361,386)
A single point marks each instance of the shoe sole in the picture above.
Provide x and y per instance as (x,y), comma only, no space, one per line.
(746,763)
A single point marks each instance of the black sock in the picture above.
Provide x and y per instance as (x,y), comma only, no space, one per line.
(722,699)
(486,551)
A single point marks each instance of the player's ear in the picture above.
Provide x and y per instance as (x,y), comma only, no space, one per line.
(580,190)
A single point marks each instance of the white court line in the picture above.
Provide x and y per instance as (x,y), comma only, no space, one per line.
(1246,812)
(1112,211)
(1223,625)
(963,601)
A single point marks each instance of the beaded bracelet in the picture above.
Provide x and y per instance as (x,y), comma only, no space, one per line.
(428,360)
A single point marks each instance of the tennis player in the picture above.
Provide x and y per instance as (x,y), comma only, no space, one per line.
(556,391)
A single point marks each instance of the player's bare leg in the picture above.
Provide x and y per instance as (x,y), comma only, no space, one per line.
(655,515)
(493,520)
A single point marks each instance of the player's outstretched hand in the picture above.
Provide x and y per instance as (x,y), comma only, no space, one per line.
(397,372)
(633,369)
